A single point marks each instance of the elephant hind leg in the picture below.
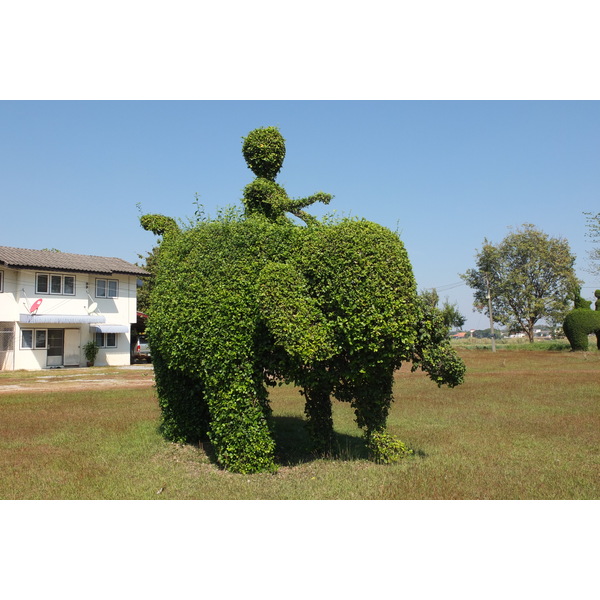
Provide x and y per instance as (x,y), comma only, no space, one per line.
(240,428)
(184,413)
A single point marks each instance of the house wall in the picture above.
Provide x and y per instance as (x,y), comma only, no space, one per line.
(19,293)
(8,302)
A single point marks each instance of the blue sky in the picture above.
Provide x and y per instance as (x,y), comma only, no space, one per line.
(445,174)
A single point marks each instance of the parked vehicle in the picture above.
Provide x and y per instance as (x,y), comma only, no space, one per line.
(141,350)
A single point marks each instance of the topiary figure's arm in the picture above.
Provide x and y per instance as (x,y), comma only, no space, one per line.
(268,198)
(295,206)
(301,203)
(159,224)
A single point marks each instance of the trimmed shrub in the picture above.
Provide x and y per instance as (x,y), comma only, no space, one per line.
(243,301)
(385,448)
(264,151)
(579,323)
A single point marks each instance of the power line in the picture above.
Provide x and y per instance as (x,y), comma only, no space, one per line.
(447,287)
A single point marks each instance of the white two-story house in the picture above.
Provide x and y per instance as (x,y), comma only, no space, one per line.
(53,303)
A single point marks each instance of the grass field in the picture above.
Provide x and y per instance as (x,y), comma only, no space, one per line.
(525,425)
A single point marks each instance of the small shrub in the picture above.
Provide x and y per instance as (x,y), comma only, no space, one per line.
(90,350)
(385,448)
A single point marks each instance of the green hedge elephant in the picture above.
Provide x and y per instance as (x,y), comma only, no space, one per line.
(581,322)
(242,302)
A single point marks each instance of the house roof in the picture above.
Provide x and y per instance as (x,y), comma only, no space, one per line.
(49,260)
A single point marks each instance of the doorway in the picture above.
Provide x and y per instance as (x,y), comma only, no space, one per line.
(56,344)
(72,348)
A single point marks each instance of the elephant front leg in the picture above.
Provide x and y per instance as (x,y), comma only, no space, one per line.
(372,397)
(319,419)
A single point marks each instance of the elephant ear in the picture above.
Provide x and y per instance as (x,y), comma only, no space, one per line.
(292,316)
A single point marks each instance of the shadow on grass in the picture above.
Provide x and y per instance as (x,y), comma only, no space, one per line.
(293,446)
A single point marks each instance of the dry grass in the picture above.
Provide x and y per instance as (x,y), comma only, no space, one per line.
(525,425)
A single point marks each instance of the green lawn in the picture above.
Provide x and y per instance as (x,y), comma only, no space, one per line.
(525,425)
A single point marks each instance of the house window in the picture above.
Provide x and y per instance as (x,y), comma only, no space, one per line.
(55,284)
(27,339)
(1,281)
(41,336)
(69,285)
(7,337)
(34,339)
(41,283)
(106,340)
(107,288)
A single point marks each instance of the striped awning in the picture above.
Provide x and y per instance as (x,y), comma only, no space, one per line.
(37,318)
(109,328)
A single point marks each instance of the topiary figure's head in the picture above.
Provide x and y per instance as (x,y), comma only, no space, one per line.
(264,151)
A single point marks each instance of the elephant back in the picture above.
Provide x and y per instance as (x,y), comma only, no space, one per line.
(204,307)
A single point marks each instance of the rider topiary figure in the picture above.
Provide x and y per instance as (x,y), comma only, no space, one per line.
(264,151)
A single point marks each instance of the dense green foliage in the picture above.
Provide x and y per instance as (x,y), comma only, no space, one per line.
(242,302)
(581,322)
(90,351)
(528,275)
(264,151)
(451,316)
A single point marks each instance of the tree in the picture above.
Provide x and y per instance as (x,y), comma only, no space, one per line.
(143,293)
(593,225)
(529,276)
(450,314)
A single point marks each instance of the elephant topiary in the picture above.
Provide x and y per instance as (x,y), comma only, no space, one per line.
(247,300)
(581,322)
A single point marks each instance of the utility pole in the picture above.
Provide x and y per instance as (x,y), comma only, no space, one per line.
(489,299)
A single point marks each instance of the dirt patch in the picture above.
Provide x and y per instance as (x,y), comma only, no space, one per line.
(134,376)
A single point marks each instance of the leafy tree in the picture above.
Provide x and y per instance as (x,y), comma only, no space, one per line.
(529,275)
(486,334)
(449,313)
(143,293)
(593,225)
